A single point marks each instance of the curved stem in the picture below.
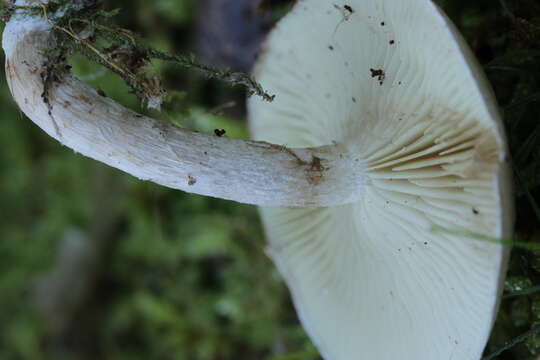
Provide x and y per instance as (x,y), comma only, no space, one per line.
(244,171)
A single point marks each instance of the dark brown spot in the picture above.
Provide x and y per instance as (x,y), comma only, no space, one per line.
(315,172)
(475,212)
(330,47)
(191,180)
(346,12)
(379,74)
(353,99)
(84,99)
(219,132)
(392,42)
(375,73)
(382,23)
(316,164)
(313,169)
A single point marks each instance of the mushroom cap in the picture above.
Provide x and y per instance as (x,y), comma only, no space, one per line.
(394,82)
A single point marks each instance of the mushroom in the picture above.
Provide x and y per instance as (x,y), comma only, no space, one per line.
(383,129)
(396,274)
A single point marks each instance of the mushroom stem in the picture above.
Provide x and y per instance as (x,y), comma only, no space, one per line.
(244,171)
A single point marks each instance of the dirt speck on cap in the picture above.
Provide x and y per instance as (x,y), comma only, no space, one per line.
(379,74)
(345,10)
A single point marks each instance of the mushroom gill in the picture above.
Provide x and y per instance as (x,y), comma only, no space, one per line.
(446,168)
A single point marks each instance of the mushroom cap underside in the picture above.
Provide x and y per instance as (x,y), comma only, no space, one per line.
(401,274)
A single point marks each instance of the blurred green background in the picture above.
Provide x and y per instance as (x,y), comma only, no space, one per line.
(95,264)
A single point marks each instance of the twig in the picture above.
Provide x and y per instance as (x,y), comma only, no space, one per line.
(523,292)
(510,344)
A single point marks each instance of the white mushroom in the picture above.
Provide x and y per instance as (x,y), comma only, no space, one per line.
(395,133)
(395,83)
